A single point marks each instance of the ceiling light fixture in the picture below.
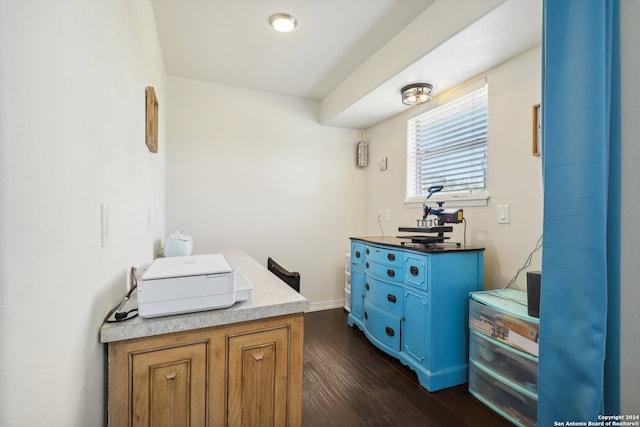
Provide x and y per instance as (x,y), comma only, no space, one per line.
(417,93)
(283,22)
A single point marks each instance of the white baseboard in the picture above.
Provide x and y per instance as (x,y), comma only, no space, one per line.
(326,305)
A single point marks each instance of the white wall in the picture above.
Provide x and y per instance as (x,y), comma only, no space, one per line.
(72,76)
(514,175)
(256,171)
(72,131)
(630,348)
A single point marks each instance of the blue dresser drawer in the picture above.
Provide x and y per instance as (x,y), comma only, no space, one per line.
(386,272)
(415,271)
(384,327)
(385,255)
(386,296)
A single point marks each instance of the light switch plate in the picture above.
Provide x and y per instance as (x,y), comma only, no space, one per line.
(105,226)
(503,214)
(383,164)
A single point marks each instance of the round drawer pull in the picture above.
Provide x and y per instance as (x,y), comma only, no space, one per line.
(366,264)
(357,254)
(366,316)
(367,251)
(391,298)
(391,273)
(414,270)
(391,257)
(390,331)
(366,285)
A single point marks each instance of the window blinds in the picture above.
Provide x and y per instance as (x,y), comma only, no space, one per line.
(448,146)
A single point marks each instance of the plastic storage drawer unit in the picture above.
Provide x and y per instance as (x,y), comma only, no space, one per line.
(503,349)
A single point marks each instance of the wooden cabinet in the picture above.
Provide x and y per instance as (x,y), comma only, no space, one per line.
(412,304)
(245,374)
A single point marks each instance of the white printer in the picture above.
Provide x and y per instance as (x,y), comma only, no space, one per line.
(186,284)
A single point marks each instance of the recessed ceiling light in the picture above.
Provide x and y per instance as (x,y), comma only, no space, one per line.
(283,22)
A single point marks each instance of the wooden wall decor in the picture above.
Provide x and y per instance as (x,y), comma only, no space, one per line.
(152,120)
(537,130)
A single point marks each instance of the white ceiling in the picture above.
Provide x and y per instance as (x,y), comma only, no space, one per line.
(230,42)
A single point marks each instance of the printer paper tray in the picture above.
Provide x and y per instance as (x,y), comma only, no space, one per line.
(190,304)
(185,305)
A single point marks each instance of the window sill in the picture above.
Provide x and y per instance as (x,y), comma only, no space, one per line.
(451,200)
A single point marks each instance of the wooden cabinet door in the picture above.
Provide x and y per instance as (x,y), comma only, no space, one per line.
(169,387)
(258,378)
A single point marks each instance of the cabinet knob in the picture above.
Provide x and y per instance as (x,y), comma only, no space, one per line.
(367,251)
(357,254)
(366,264)
(391,298)
(391,257)
(366,316)
(366,286)
(391,273)
(414,270)
(171,376)
(390,331)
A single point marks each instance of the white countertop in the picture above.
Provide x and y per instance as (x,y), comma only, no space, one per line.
(272,297)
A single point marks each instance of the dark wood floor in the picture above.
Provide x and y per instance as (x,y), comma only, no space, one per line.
(349,382)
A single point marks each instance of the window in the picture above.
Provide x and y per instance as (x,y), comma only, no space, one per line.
(448,146)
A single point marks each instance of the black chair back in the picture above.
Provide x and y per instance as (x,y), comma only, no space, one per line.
(291,278)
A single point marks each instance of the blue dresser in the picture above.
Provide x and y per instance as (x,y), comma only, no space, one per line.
(411,302)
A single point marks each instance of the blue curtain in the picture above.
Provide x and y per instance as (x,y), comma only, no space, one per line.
(579,371)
